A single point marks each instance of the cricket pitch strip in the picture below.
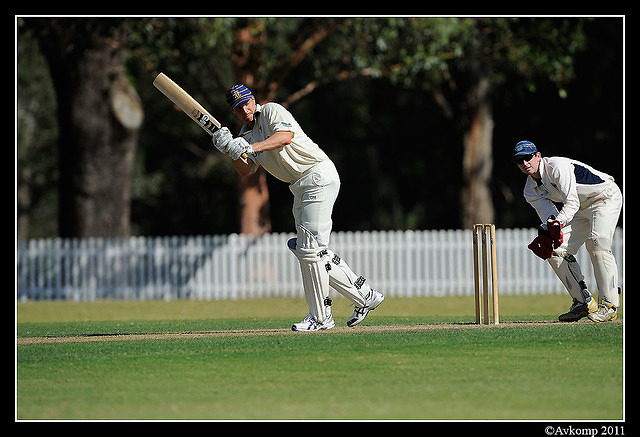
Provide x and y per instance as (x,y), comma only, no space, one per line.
(359,330)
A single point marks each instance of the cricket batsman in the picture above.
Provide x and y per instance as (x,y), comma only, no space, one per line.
(273,139)
(591,203)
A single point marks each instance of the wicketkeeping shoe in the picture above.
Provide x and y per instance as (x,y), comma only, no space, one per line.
(310,324)
(372,300)
(579,310)
(606,312)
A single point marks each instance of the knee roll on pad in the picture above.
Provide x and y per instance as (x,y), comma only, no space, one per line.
(305,246)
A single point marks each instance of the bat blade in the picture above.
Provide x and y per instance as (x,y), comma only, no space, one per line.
(188,104)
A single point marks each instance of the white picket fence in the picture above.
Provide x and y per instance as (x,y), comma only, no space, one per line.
(398,263)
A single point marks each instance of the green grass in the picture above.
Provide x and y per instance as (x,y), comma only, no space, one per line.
(447,369)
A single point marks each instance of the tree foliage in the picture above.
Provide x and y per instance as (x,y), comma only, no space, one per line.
(389,99)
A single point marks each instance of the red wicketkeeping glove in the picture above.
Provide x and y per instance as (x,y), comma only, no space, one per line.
(555,232)
(542,246)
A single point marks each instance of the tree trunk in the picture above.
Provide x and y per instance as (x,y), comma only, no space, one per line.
(254,203)
(477,161)
(99,114)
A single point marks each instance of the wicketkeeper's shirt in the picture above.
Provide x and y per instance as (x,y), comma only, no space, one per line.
(567,181)
(287,163)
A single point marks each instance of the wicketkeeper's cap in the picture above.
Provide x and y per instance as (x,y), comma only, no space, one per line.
(238,95)
(524,148)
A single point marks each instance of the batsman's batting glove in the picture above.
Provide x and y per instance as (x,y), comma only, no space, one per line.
(237,146)
(221,139)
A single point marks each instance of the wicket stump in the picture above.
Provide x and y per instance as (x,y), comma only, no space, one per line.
(486,234)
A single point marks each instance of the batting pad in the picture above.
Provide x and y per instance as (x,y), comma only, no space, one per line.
(605,270)
(315,278)
(568,271)
(344,281)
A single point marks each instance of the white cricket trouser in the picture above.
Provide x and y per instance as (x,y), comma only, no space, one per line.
(594,227)
(314,196)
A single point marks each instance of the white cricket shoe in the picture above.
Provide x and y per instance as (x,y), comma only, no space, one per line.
(372,300)
(310,324)
(606,312)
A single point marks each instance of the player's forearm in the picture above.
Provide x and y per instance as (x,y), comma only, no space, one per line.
(275,141)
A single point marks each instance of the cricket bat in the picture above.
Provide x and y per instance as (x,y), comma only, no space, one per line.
(188,104)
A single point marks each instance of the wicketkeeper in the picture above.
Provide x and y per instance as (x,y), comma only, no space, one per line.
(591,203)
(273,139)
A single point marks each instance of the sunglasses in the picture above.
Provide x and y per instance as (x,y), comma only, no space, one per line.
(523,158)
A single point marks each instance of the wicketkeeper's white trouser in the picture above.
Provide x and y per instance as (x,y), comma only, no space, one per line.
(593,226)
(314,196)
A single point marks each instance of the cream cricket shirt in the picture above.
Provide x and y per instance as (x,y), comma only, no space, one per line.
(572,183)
(287,163)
